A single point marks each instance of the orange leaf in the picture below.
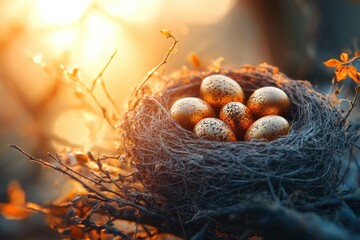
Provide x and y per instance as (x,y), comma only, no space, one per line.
(357,53)
(344,57)
(332,63)
(195,60)
(15,209)
(352,72)
(15,193)
(340,73)
(358,77)
(13,212)
(166,32)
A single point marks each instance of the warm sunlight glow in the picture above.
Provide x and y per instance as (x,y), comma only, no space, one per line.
(132,10)
(62,39)
(79,128)
(58,12)
(100,36)
(87,32)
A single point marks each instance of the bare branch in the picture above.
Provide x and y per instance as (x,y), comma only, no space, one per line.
(151,73)
(354,101)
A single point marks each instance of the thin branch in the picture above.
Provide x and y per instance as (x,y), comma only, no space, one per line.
(70,173)
(89,214)
(354,101)
(108,95)
(74,81)
(99,76)
(97,102)
(136,227)
(151,73)
(46,164)
(99,164)
(147,230)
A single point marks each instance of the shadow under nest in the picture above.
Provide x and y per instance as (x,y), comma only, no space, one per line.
(196,189)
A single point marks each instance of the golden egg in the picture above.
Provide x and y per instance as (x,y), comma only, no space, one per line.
(237,116)
(219,90)
(269,101)
(268,128)
(213,129)
(190,110)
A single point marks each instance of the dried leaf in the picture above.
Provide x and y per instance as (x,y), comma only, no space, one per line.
(344,57)
(195,60)
(74,72)
(166,32)
(76,158)
(340,73)
(15,209)
(13,212)
(332,63)
(15,193)
(357,53)
(352,72)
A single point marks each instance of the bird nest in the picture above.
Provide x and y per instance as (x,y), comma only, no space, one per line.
(229,189)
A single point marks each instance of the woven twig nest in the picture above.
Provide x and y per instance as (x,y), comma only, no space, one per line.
(189,177)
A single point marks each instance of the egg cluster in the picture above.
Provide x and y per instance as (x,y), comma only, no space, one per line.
(220,114)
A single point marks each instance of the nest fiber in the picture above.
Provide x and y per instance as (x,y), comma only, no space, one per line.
(187,175)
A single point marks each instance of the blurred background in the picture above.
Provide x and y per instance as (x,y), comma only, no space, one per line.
(40,39)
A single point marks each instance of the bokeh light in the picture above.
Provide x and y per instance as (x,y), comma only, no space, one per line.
(58,12)
(134,11)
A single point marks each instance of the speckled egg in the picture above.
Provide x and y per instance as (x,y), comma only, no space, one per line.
(268,128)
(269,101)
(237,116)
(219,90)
(190,110)
(214,129)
